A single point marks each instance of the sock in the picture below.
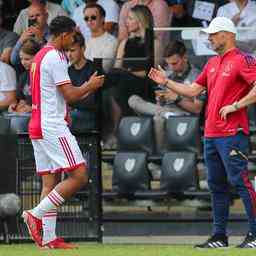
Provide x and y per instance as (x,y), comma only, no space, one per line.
(53,200)
(49,226)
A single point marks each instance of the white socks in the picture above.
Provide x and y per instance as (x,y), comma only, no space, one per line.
(50,202)
(49,226)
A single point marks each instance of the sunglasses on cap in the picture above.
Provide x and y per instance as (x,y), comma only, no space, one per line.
(87,18)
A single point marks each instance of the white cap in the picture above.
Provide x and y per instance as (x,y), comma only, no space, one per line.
(220,24)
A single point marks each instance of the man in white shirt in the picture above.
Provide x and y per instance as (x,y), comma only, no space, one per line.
(112,15)
(53,10)
(243,14)
(7,86)
(101,44)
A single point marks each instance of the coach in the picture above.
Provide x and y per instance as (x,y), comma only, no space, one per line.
(230,81)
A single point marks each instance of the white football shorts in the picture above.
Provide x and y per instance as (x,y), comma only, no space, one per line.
(58,151)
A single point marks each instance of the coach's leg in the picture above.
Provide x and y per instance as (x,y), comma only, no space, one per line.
(217,181)
(235,160)
(49,181)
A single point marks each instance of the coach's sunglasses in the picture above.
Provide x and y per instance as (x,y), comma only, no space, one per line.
(87,18)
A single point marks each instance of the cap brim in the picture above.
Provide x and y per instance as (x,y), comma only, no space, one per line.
(207,31)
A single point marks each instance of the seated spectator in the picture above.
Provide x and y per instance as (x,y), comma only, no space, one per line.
(38,29)
(129,75)
(83,112)
(242,13)
(168,103)
(7,41)
(70,5)
(161,15)
(101,44)
(7,86)
(53,10)
(112,14)
(28,50)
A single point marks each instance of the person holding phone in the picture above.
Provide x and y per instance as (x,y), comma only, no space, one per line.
(38,29)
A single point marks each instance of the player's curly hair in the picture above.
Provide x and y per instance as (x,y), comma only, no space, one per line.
(61,24)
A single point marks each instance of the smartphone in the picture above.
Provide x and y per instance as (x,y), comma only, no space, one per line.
(32,22)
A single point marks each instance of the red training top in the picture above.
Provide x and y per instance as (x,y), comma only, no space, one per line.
(228,78)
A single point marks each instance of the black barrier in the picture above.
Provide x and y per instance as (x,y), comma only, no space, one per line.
(79,218)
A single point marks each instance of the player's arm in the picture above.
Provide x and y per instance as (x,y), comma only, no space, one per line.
(182,89)
(72,93)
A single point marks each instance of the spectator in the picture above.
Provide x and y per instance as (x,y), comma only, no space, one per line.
(169,103)
(7,41)
(230,81)
(242,13)
(83,112)
(53,10)
(38,29)
(70,5)
(160,12)
(28,50)
(101,44)
(112,13)
(129,75)
(7,86)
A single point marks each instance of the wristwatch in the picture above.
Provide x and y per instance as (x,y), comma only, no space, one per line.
(178,99)
(235,105)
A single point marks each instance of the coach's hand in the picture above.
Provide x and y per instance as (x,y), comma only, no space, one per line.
(158,75)
(224,111)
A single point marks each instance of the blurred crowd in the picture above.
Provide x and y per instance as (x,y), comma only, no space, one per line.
(119,33)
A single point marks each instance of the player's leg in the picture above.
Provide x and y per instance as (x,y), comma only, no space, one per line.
(65,155)
(49,181)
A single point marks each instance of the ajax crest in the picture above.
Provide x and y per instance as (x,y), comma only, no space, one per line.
(135,128)
(182,128)
(129,164)
(178,164)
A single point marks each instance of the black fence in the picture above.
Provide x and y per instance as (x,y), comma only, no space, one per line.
(80,218)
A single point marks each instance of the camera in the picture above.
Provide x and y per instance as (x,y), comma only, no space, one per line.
(32,22)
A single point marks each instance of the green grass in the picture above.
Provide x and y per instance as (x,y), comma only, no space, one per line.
(121,250)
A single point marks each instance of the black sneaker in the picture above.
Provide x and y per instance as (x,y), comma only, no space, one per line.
(215,241)
(249,241)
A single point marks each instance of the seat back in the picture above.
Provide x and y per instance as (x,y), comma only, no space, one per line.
(136,134)
(130,172)
(178,171)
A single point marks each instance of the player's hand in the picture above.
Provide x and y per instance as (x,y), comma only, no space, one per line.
(224,111)
(158,75)
(95,82)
